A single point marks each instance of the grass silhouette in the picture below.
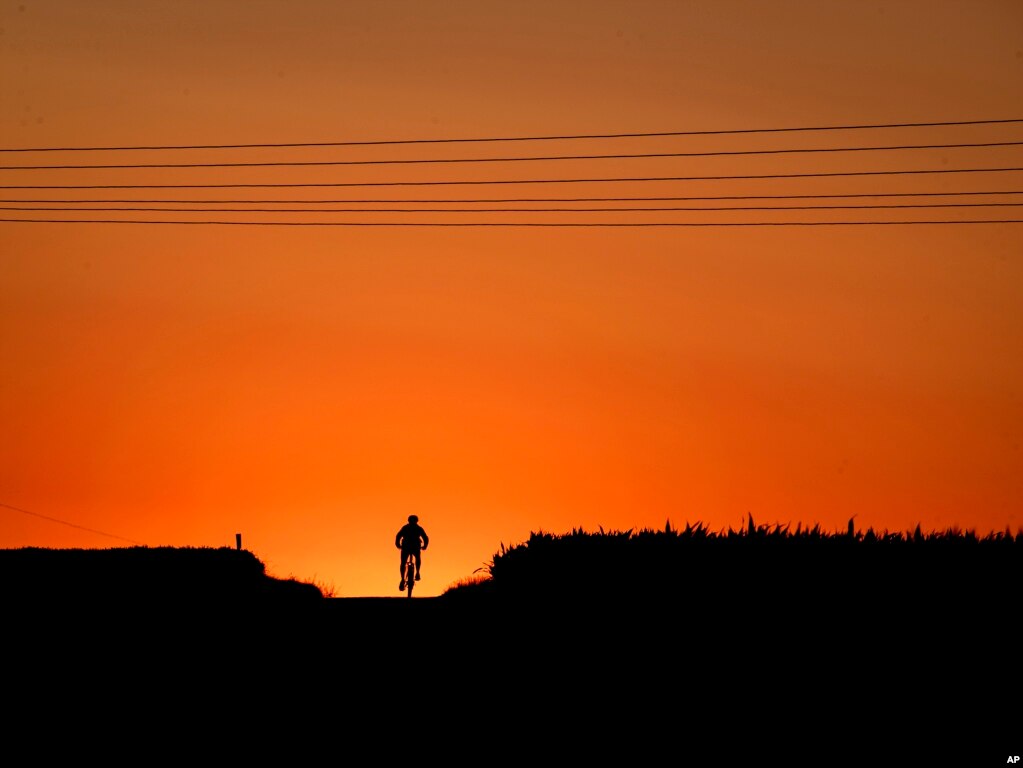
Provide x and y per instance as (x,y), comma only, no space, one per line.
(775,566)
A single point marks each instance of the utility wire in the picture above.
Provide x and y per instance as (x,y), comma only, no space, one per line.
(518,210)
(526,199)
(65,522)
(510,181)
(515,138)
(542,158)
(511,224)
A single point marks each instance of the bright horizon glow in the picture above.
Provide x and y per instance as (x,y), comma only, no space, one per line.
(309,388)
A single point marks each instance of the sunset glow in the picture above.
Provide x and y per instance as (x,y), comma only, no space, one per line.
(310,387)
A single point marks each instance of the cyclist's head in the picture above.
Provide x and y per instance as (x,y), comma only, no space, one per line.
(413,518)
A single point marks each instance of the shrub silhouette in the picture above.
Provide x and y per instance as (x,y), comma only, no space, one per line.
(759,564)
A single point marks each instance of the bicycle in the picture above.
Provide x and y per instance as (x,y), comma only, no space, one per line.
(410,572)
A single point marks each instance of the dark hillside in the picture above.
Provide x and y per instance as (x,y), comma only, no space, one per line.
(805,564)
(635,634)
(135,576)
(759,620)
(766,575)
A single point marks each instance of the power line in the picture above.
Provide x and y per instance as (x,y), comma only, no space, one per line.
(518,210)
(510,224)
(65,522)
(511,181)
(527,199)
(516,138)
(541,158)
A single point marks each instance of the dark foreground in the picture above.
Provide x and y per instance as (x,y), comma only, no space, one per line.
(814,669)
(773,681)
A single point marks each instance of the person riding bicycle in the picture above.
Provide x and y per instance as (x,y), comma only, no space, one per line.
(411,540)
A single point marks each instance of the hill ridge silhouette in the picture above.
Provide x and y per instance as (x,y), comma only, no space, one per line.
(139,574)
(694,561)
(634,565)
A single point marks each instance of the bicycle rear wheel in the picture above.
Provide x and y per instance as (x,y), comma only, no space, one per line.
(410,575)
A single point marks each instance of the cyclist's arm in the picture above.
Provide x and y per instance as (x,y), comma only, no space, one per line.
(426,540)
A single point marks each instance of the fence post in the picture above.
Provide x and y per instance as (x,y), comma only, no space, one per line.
(238,540)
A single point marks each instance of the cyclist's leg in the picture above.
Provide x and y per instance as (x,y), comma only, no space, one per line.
(419,563)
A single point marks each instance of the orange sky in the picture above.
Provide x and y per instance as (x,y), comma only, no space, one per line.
(311,387)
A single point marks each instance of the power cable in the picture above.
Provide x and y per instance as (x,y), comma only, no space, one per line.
(514,181)
(524,199)
(515,210)
(72,525)
(563,137)
(542,158)
(509,224)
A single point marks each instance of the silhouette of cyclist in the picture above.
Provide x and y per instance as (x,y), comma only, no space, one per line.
(411,539)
